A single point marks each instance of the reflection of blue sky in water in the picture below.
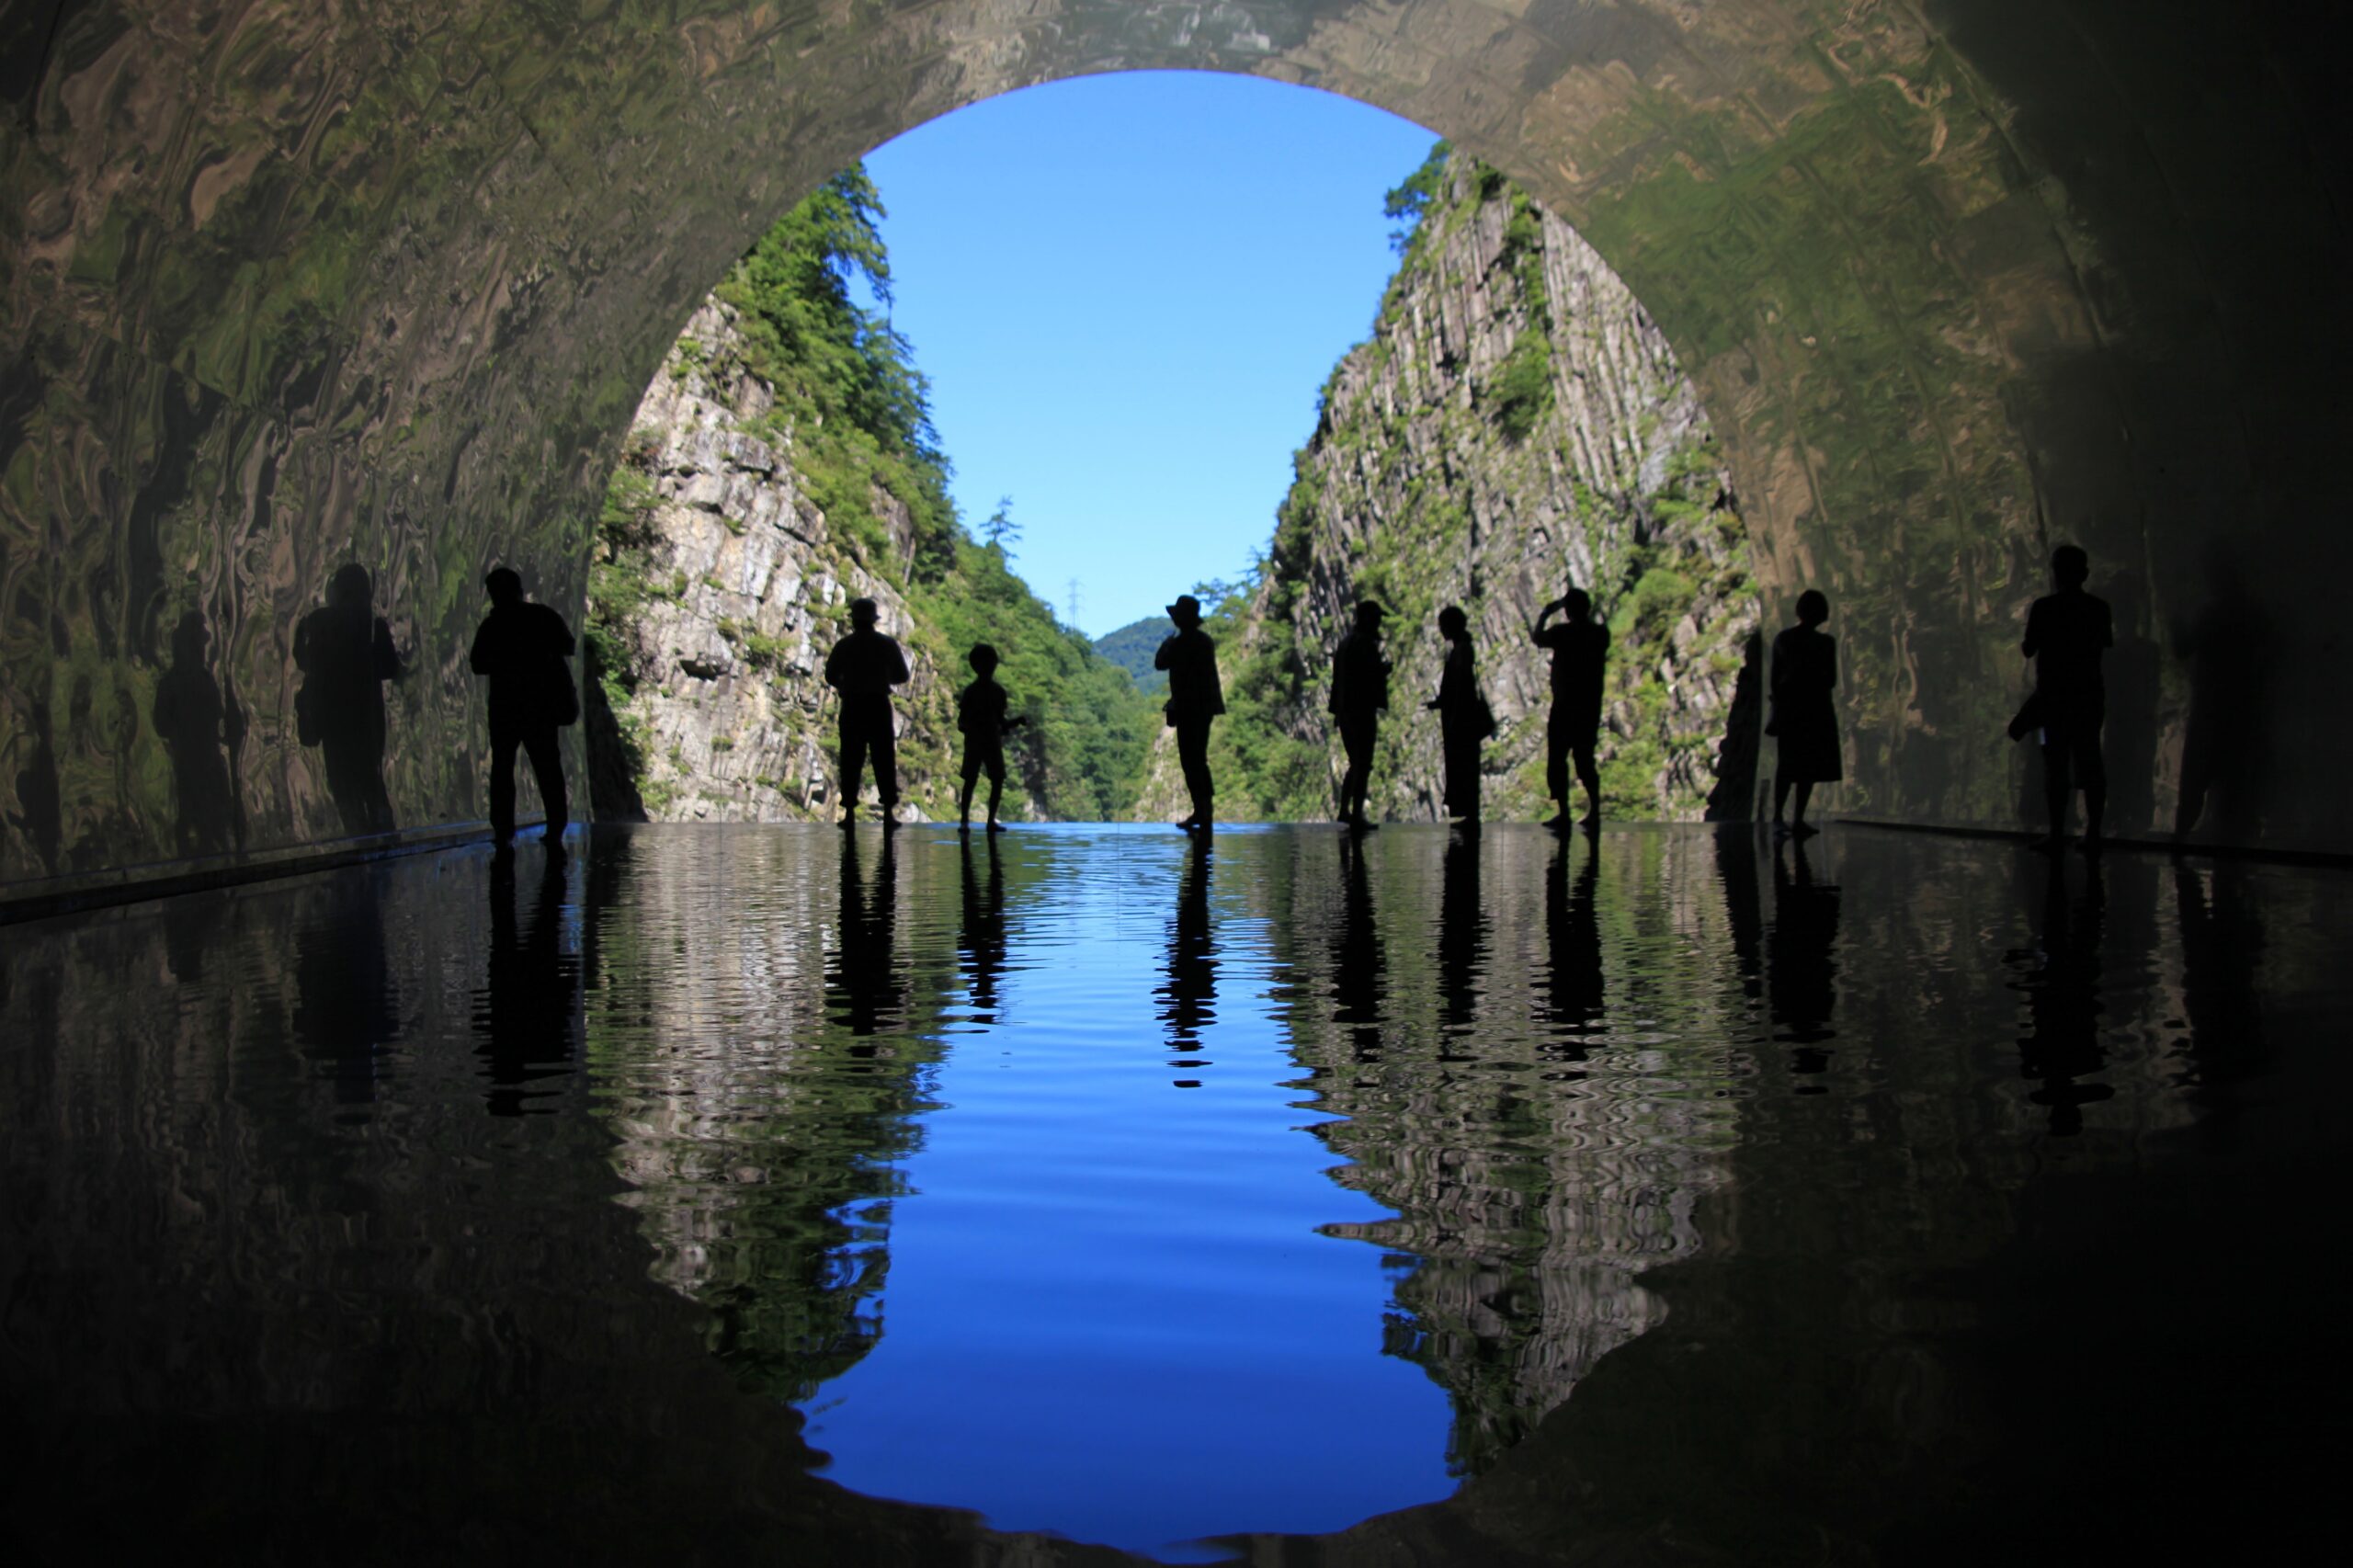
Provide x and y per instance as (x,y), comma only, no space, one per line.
(1109,1311)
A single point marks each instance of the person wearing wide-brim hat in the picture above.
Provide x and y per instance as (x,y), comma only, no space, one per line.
(1194,698)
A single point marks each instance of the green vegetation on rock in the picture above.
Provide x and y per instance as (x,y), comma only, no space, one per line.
(797,423)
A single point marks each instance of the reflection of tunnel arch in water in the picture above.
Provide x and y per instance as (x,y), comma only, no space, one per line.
(1951,290)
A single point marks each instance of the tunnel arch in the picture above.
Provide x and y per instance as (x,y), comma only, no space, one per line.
(288,288)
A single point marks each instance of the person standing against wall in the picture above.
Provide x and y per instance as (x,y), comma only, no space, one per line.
(1580,648)
(863,668)
(1194,698)
(1360,692)
(1805,671)
(1464,720)
(521,647)
(2066,632)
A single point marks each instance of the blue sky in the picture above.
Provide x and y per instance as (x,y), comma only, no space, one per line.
(1126,290)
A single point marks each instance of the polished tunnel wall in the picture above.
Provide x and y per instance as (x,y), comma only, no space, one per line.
(291,285)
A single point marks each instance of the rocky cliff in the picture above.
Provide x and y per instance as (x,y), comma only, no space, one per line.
(735,532)
(729,586)
(1515,424)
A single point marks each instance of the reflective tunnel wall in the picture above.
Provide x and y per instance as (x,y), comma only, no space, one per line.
(294,285)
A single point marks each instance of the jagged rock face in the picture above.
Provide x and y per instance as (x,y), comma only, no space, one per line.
(1421,487)
(747,588)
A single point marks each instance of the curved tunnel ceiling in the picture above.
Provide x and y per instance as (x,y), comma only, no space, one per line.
(290,285)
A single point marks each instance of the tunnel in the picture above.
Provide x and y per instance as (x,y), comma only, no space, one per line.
(291,288)
(1898,1197)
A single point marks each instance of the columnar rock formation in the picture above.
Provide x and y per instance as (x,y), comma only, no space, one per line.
(1516,423)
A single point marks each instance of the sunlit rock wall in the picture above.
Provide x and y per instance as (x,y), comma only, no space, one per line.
(288,286)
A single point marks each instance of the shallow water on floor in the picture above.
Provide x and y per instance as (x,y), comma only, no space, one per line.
(1145,1190)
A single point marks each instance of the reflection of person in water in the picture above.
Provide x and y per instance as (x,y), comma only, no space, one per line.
(984,934)
(1573,982)
(2228,648)
(347,1005)
(194,723)
(2064,1003)
(1358,965)
(1801,985)
(1462,936)
(1188,998)
(2222,950)
(345,652)
(863,987)
(527,1017)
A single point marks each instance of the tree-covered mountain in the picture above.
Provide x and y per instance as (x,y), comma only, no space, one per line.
(1515,424)
(782,463)
(1131,648)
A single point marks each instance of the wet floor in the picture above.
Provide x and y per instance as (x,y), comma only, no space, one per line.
(733,1192)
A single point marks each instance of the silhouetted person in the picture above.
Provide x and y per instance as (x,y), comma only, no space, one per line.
(1461,937)
(863,986)
(526,1015)
(1359,693)
(980,714)
(2066,632)
(1801,974)
(2228,649)
(863,668)
(1464,720)
(522,647)
(1187,996)
(984,934)
(1574,991)
(344,651)
(1580,647)
(1805,671)
(2063,1002)
(1359,978)
(1194,698)
(194,723)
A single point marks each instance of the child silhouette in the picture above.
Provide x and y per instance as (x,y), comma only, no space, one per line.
(980,714)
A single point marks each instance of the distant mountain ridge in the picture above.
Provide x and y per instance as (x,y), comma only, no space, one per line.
(1131,648)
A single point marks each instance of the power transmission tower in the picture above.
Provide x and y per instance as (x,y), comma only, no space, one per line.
(1072,620)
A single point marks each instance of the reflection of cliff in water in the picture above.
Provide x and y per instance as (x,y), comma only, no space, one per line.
(762,1086)
(1520,1103)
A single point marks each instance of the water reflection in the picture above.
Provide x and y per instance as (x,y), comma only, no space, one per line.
(2061,975)
(1187,993)
(1803,987)
(347,1005)
(886,1151)
(528,1017)
(981,940)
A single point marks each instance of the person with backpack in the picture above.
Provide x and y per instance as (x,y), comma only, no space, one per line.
(522,648)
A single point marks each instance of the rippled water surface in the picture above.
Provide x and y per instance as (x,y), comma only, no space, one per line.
(1668,1192)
